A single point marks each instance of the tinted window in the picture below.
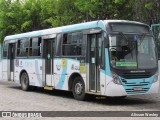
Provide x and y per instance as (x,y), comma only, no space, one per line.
(5,49)
(23,47)
(58,44)
(72,44)
(35,47)
(129,28)
(29,47)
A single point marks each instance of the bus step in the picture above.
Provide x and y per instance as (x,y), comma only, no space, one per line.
(48,87)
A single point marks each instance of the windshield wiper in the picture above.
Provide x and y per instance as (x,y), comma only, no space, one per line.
(127,41)
(141,40)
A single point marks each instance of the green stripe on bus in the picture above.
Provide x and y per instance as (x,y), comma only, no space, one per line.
(126,64)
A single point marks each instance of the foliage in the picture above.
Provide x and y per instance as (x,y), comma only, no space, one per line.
(147,11)
(17,16)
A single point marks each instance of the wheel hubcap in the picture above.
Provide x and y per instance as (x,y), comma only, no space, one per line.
(24,81)
(78,88)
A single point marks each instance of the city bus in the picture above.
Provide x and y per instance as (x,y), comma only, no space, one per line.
(115,58)
(156,32)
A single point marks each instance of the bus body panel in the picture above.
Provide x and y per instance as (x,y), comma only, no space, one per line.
(0,69)
(64,68)
(113,89)
(33,67)
(4,69)
(142,84)
(155,88)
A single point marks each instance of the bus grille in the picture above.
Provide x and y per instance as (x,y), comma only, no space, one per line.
(131,91)
(136,75)
(142,85)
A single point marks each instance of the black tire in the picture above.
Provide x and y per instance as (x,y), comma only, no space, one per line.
(25,81)
(78,89)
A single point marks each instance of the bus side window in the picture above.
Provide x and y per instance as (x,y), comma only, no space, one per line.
(36,46)
(23,47)
(58,45)
(72,44)
(18,48)
(5,49)
(65,45)
(30,48)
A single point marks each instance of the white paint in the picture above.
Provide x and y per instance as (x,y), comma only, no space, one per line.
(48,80)
(0,70)
(33,68)
(154,88)
(113,89)
(12,75)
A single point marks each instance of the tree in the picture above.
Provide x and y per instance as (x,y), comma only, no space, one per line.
(10,18)
(66,13)
(147,11)
(105,9)
(25,15)
(17,16)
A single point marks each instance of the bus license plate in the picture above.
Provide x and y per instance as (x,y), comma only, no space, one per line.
(137,88)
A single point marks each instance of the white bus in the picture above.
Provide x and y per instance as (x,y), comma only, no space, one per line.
(110,58)
(0,62)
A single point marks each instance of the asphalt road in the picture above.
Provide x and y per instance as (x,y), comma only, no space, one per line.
(12,98)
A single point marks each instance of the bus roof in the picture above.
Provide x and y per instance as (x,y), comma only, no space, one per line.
(123,21)
(80,26)
(68,28)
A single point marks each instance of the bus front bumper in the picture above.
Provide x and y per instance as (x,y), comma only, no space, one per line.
(115,90)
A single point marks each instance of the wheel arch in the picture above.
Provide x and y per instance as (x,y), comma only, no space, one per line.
(71,79)
(22,71)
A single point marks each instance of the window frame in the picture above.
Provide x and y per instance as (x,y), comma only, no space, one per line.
(81,44)
(1,50)
(29,47)
(7,44)
(19,47)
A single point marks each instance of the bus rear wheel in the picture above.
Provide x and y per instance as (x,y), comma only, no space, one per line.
(25,81)
(78,89)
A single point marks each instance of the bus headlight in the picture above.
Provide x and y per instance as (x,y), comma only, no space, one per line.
(155,77)
(116,79)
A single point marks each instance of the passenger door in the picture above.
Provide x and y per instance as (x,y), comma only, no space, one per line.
(49,45)
(94,50)
(11,57)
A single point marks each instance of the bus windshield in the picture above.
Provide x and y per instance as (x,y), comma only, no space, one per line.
(132,51)
(126,28)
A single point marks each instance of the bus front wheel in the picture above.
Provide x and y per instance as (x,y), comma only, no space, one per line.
(24,81)
(78,89)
